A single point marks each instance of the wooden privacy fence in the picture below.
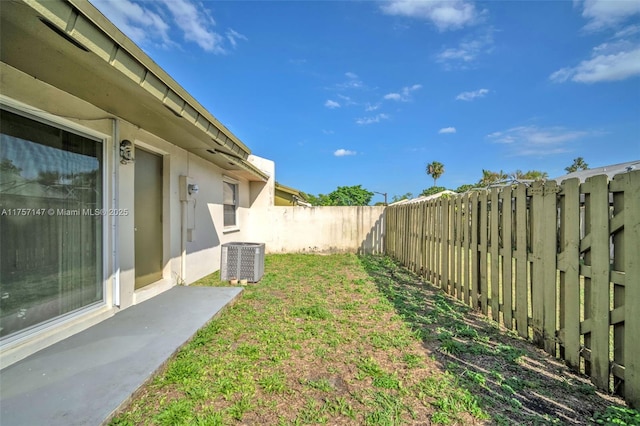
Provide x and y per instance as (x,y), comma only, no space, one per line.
(558,263)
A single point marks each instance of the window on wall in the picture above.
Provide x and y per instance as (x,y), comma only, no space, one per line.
(51,228)
(230,203)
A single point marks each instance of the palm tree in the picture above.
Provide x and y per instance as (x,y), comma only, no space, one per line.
(536,175)
(530,175)
(435,169)
(578,164)
(489,177)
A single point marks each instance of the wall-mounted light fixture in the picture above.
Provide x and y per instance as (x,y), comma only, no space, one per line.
(126,152)
(192,188)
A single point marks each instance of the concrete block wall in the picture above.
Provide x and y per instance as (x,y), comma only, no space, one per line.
(357,229)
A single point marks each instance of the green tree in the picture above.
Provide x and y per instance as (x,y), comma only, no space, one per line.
(578,164)
(351,196)
(466,187)
(432,190)
(343,196)
(435,169)
(397,198)
(319,200)
(7,165)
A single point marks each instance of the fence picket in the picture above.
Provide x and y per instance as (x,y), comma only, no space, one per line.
(526,251)
(537,277)
(494,251)
(616,228)
(549,262)
(474,265)
(522,262)
(507,258)
(466,247)
(458,247)
(568,263)
(597,257)
(631,307)
(438,244)
(483,231)
(444,248)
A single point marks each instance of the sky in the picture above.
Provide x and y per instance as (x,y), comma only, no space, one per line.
(342,93)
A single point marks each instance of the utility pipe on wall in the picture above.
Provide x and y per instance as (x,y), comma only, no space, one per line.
(183,239)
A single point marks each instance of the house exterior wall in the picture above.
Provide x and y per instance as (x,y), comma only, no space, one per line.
(319,229)
(22,92)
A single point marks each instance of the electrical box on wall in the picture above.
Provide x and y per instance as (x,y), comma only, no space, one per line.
(188,188)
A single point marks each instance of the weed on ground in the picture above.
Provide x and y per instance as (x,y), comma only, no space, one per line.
(347,340)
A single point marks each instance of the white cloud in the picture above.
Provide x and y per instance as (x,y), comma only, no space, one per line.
(393,96)
(352,82)
(446,130)
(343,152)
(538,141)
(370,107)
(370,120)
(609,62)
(138,23)
(346,100)
(153,22)
(444,14)
(467,51)
(331,104)
(469,96)
(196,25)
(603,14)
(404,95)
(233,37)
(627,31)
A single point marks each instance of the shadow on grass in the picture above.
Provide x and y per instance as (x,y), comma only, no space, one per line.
(513,381)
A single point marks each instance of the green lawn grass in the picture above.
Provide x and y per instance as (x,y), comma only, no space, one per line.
(343,339)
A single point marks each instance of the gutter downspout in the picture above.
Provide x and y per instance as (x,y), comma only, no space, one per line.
(114,218)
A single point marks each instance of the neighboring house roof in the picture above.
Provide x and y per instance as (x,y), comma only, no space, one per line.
(423,198)
(610,171)
(289,196)
(89,52)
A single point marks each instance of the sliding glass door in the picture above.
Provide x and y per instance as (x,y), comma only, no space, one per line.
(51,222)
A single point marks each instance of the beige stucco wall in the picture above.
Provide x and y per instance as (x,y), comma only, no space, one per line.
(24,93)
(319,229)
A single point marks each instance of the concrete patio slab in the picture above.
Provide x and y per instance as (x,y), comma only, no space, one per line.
(85,378)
